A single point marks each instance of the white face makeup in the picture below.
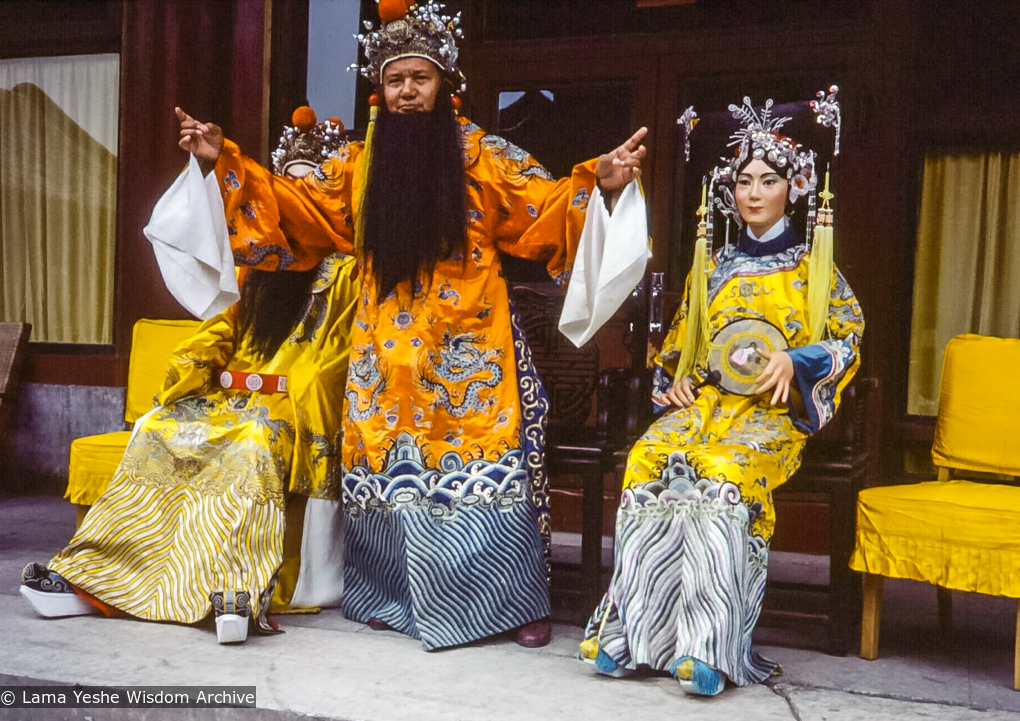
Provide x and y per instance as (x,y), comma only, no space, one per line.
(761,196)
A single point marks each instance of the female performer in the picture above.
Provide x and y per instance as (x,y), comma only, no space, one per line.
(766,338)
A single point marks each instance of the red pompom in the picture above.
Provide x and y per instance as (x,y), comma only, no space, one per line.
(390,10)
(336,121)
(455,102)
(373,101)
(303,119)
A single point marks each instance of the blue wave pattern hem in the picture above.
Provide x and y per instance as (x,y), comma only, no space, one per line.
(448,555)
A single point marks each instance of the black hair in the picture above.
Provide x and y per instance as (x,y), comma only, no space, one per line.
(272,303)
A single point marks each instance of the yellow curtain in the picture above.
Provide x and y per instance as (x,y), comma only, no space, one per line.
(58,195)
(967,270)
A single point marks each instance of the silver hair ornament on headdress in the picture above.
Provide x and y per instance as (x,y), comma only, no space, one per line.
(828,113)
(425,32)
(759,139)
(688,120)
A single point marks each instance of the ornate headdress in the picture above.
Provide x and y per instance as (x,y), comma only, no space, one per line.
(758,137)
(418,31)
(306,142)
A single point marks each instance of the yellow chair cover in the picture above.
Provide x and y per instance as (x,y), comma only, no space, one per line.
(95,458)
(93,461)
(979,404)
(152,342)
(958,534)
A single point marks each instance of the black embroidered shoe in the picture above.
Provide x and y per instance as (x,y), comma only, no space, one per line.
(50,594)
(39,578)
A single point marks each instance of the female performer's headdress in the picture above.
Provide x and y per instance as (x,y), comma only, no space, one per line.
(306,143)
(411,30)
(758,137)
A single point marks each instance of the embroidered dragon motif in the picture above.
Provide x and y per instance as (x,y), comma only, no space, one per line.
(515,164)
(365,374)
(460,359)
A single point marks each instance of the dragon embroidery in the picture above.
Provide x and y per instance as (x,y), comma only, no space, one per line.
(460,359)
(514,164)
(365,374)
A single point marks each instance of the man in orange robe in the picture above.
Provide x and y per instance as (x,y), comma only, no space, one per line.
(442,477)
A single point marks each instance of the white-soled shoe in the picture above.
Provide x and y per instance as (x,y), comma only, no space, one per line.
(232,610)
(231,628)
(50,594)
(697,678)
(56,605)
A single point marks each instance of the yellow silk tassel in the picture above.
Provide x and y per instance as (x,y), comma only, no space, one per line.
(697,295)
(820,269)
(366,162)
(590,646)
(697,312)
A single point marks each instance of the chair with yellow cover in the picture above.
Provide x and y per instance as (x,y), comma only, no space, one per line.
(958,533)
(95,458)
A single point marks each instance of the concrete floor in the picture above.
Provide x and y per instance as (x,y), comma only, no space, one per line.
(325,667)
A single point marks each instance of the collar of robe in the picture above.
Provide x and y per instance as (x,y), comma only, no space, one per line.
(757,249)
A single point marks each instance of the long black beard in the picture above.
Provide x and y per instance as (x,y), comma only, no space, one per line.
(414,211)
(272,303)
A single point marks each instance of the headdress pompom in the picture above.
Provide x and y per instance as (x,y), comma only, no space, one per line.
(390,10)
(303,118)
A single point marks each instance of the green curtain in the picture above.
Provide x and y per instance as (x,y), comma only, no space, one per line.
(58,196)
(967,270)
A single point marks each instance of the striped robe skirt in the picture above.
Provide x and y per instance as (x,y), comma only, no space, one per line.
(196,506)
(692,539)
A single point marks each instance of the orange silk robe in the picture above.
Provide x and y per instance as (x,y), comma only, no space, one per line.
(513,205)
(436,381)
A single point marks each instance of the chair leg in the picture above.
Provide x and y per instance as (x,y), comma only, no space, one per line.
(844,597)
(591,538)
(945,601)
(1016,652)
(871,618)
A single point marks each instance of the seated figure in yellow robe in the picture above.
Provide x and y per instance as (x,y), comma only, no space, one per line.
(246,424)
(753,364)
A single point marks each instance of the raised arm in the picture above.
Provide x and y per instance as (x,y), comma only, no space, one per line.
(203,140)
(540,217)
(275,223)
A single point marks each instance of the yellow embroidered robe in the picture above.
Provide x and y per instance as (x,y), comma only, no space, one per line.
(696,514)
(196,504)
